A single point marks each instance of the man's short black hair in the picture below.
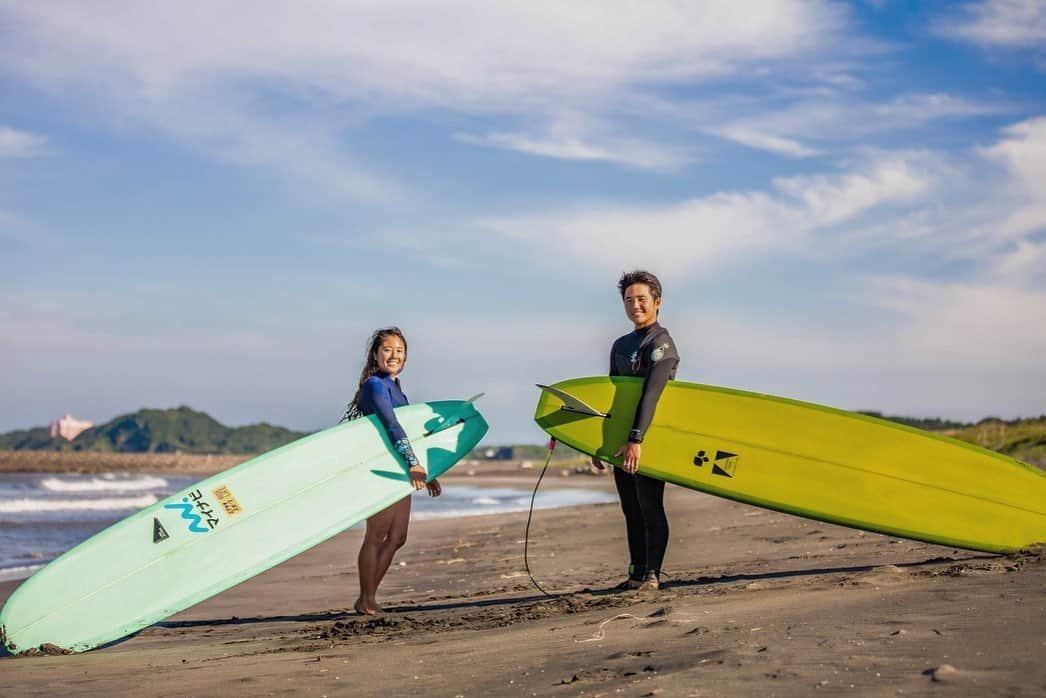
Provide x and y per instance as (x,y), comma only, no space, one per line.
(638,276)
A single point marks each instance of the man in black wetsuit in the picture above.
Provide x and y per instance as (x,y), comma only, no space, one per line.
(647,352)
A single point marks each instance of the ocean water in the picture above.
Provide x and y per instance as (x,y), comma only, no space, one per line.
(43,515)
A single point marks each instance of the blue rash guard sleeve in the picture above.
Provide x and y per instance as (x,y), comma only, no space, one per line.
(377,399)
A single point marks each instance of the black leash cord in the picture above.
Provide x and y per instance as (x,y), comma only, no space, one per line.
(530,515)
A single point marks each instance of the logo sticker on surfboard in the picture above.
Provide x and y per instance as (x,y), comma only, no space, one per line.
(724,463)
(227,500)
(160,533)
(197,511)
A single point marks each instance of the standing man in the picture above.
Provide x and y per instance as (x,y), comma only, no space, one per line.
(647,352)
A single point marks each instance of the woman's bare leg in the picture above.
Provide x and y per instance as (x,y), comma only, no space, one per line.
(396,537)
(386,533)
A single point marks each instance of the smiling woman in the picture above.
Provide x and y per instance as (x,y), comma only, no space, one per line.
(379,393)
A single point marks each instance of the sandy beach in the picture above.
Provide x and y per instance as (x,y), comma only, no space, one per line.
(756,603)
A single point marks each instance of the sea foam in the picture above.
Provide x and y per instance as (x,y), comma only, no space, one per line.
(103,484)
(28,506)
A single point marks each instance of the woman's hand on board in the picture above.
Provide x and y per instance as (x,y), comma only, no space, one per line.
(417,476)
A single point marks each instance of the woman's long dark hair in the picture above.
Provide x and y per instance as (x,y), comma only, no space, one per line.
(370,367)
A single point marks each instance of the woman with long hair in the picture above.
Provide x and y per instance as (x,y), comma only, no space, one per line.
(378,393)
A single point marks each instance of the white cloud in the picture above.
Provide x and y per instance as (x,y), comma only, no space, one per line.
(1013,23)
(831,118)
(628,152)
(918,108)
(914,203)
(234,83)
(1025,266)
(453,53)
(19,144)
(828,200)
(570,134)
(687,236)
(1023,153)
(723,228)
(746,135)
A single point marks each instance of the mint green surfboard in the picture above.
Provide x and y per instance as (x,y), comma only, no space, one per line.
(228,528)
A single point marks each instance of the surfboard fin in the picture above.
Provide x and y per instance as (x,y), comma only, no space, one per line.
(451,420)
(572,404)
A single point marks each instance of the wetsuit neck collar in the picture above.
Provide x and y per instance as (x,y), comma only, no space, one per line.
(644,331)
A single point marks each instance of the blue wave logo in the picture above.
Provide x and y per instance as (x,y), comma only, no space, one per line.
(195,525)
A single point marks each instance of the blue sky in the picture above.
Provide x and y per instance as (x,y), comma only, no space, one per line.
(214,203)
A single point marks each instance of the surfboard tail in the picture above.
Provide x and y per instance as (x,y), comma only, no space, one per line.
(573,404)
(466,410)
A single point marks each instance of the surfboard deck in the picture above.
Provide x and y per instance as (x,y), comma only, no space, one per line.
(813,461)
(228,528)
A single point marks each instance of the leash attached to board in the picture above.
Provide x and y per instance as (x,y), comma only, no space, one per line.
(530,514)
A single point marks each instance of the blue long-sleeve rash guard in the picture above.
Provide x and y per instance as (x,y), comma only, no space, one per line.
(380,395)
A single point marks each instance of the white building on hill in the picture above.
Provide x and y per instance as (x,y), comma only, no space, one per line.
(69,428)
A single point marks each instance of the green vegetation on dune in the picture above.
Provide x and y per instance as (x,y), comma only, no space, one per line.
(1023,439)
(927,424)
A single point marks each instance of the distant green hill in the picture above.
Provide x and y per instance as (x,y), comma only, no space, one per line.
(35,439)
(182,430)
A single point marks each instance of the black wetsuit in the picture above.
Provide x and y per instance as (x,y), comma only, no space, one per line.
(651,354)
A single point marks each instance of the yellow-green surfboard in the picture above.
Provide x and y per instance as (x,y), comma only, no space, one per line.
(809,460)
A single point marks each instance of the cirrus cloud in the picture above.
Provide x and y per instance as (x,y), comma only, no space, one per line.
(19,144)
(1013,23)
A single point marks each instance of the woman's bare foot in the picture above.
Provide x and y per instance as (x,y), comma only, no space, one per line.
(367,609)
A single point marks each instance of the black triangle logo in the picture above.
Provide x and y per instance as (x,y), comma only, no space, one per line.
(159,532)
(716,470)
(720,455)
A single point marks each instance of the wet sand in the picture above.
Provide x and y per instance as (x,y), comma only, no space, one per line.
(756,603)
